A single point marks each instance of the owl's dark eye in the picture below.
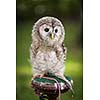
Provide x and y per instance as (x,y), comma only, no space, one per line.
(46,29)
(56,30)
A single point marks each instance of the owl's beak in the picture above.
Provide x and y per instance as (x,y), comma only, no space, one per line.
(52,35)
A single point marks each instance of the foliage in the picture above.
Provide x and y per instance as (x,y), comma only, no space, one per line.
(29,9)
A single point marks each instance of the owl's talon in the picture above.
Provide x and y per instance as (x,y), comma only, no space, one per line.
(38,76)
(41,76)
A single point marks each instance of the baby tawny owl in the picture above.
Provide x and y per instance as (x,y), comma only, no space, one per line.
(47,52)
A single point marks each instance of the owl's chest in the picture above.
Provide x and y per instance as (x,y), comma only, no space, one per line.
(46,60)
(46,56)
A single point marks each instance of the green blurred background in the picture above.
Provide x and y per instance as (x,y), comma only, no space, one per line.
(70,13)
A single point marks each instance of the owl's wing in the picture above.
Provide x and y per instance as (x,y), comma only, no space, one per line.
(34,46)
(61,52)
(64,51)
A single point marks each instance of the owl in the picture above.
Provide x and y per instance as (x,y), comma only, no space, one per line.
(47,52)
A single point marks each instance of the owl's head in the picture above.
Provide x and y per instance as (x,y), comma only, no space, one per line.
(49,30)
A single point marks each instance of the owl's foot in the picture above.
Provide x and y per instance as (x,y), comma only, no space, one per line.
(38,76)
(41,75)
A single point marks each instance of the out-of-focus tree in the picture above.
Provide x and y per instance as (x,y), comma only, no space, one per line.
(28,9)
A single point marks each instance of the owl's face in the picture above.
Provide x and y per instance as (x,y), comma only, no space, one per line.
(50,30)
